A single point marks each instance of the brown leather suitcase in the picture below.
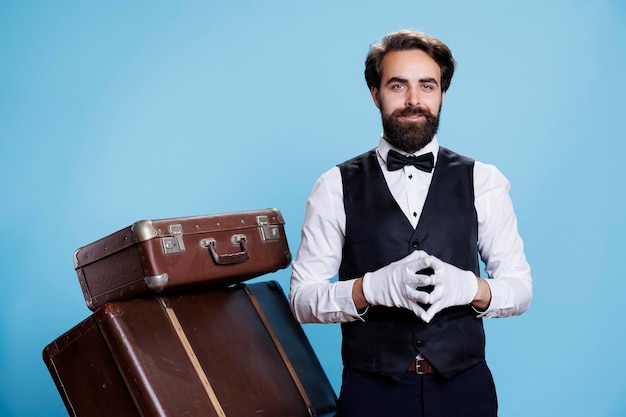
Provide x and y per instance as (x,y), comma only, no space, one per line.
(167,255)
(229,352)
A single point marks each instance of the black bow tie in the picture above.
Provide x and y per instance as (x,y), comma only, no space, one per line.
(395,161)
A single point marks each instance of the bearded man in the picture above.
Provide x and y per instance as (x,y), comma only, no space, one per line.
(402,227)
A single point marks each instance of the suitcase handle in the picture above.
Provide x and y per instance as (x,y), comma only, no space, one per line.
(227,258)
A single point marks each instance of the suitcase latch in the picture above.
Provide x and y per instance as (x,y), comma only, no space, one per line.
(268,232)
(174,243)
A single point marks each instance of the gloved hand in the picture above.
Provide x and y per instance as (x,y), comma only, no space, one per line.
(453,287)
(396,285)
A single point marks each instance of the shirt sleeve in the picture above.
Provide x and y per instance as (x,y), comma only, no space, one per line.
(500,246)
(313,297)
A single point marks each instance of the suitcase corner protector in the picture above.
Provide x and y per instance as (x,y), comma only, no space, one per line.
(76,261)
(279,216)
(143,230)
(90,304)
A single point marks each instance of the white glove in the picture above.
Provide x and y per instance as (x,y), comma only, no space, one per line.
(395,285)
(453,287)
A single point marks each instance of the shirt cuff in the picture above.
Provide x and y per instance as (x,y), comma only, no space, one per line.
(496,300)
(343,298)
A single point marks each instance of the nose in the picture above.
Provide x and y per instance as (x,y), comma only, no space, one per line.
(412,98)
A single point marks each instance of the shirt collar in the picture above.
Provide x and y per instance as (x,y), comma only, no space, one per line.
(384,147)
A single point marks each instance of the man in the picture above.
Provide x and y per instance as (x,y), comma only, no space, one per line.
(402,225)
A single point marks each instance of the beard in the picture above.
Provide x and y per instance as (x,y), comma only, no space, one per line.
(410,136)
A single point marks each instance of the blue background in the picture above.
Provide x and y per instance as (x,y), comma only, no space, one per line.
(117,111)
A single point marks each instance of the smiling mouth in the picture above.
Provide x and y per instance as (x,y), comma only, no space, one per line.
(411,117)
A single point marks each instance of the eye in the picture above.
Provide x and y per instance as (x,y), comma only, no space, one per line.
(397,86)
(428,87)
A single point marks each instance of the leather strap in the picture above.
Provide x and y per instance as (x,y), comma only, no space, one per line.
(281,350)
(192,357)
(422,366)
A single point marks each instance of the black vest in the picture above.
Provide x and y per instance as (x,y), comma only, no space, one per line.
(378,233)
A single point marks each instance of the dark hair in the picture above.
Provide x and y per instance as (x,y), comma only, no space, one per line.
(403,40)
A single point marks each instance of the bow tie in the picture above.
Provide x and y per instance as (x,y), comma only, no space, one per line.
(395,161)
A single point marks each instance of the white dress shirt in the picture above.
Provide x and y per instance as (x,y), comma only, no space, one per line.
(316,297)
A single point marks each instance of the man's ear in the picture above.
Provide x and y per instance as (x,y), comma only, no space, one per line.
(443,96)
(375,97)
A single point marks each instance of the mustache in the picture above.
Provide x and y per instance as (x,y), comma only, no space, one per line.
(412,111)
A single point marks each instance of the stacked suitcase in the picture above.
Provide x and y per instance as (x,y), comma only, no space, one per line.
(175,332)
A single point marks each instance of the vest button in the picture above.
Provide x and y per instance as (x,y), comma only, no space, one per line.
(415,243)
(418,343)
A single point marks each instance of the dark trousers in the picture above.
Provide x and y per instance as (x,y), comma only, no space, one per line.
(470,393)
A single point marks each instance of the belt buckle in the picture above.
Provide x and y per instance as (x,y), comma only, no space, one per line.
(418,371)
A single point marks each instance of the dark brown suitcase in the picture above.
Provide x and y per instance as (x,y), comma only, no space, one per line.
(168,255)
(229,352)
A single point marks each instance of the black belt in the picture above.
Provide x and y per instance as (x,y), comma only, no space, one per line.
(421,367)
